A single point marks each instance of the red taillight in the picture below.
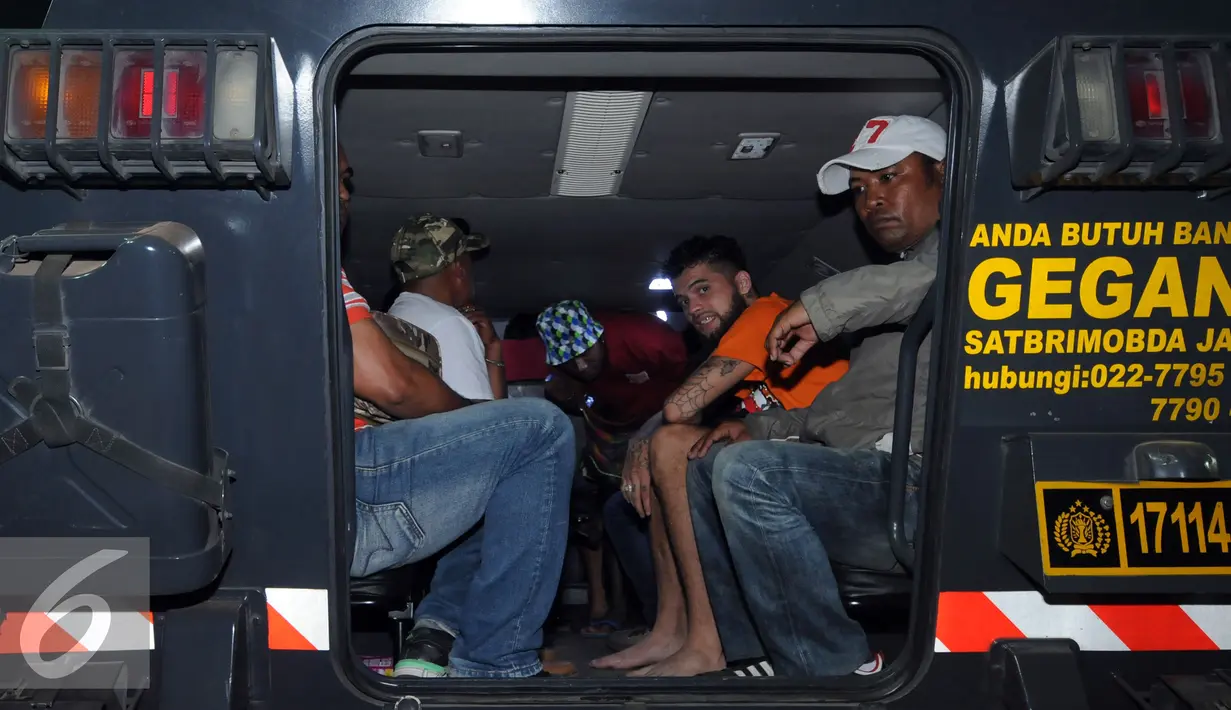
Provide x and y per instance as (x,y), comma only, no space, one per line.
(29,81)
(145,104)
(183,95)
(1154,95)
(1147,94)
(134,73)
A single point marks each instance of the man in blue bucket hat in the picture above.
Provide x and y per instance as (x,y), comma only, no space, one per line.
(615,370)
(628,362)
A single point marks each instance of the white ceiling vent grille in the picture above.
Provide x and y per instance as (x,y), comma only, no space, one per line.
(596,140)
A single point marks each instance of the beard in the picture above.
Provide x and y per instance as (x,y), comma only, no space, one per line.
(726,320)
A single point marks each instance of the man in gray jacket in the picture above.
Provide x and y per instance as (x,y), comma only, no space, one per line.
(793,489)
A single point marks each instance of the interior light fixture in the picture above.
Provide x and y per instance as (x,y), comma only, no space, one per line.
(660,284)
(662,315)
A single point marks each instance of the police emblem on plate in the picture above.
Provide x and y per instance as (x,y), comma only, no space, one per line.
(1081,531)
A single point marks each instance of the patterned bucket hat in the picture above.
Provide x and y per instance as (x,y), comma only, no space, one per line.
(567,330)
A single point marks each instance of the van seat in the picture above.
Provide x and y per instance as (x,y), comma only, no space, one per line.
(868,594)
(388,598)
(390,589)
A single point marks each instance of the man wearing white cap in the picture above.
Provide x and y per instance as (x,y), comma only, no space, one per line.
(787,508)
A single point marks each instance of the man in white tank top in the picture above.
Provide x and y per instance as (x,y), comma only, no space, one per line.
(431,256)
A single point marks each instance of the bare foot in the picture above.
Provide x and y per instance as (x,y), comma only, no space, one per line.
(655,647)
(684,663)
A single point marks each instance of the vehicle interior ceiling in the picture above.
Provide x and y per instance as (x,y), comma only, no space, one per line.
(679,180)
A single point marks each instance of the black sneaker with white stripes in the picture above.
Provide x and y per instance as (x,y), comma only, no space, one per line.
(762,668)
(751,668)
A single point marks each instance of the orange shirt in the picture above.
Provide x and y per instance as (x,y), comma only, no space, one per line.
(746,341)
(356,310)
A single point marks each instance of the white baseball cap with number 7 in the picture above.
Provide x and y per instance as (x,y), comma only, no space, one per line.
(883,141)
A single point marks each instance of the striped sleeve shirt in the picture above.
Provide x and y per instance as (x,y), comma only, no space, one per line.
(356,307)
(357,310)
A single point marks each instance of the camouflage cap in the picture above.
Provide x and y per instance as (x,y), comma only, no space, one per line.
(426,244)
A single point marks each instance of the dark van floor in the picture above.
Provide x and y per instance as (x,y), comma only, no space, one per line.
(565,643)
(373,638)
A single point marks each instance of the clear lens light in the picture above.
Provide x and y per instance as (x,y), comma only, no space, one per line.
(1095,98)
(660,284)
(235,96)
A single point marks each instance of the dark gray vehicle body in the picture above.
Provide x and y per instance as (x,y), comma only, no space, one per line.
(278,364)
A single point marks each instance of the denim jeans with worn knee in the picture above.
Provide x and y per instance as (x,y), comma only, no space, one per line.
(740,641)
(787,509)
(421,484)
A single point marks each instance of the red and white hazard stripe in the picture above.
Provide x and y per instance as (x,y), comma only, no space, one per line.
(53,633)
(969,622)
(298,619)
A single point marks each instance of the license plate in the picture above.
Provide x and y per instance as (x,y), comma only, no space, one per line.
(1157,529)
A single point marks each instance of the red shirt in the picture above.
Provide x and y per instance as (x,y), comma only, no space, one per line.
(525,359)
(646,362)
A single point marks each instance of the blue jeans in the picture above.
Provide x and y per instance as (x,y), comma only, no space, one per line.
(421,484)
(630,536)
(787,509)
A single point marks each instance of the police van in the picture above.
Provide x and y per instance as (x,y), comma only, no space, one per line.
(177,364)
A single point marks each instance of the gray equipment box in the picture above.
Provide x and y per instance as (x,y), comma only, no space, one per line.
(105,421)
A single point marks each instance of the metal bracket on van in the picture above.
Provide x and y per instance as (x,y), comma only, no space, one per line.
(107,689)
(1033,674)
(1208,690)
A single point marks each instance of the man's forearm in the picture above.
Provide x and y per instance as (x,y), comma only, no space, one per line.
(398,385)
(426,397)
(493,356)
(495,373)
(414,392)
(867,297)
(714,377)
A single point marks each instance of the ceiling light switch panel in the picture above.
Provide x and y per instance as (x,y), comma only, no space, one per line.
(754,146)
(440,144)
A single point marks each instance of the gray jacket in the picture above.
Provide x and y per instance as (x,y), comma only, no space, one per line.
(857,410)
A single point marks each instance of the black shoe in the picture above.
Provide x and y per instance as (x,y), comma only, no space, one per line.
(425,654)
(752,668)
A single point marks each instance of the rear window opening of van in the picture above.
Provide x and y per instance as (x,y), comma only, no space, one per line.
(584,166)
